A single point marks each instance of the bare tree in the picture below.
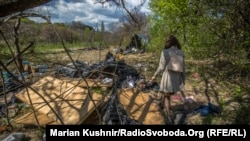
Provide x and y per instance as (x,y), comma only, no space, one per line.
(123,4)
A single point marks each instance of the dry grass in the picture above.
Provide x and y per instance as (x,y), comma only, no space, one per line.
(202,93)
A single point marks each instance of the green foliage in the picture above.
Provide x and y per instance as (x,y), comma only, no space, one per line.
(100,90)
(215,36)
(27,21)
(45,33)
(201,26)
(50,46)
(3,48)
(237,90)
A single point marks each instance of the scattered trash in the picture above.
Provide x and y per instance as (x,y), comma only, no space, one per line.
(107,81)
(176,98)
(12,110)
(42,68)
(66,71)
(15,137)
(103,72)
(137,44)
(180,118)
(109,57)
(129,82)
(196,75)
(26,66)
(189,99)
(3,128)
(113,117)
(6,75)
(43,137)
(205,110)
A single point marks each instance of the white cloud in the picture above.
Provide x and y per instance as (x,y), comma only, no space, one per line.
(85,11)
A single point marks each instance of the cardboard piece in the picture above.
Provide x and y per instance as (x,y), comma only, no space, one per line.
(81,83)
(29,119)
(141,107)
(63,102)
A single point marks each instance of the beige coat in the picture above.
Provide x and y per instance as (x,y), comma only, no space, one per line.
(171,82)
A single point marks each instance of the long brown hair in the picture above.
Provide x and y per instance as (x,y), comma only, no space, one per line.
(171,40)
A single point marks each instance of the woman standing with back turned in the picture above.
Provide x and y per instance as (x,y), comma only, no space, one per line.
(171,81)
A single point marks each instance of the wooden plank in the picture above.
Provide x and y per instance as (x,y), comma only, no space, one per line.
(67,102)
(141,107)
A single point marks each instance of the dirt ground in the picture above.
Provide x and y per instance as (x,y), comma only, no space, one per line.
(197,91)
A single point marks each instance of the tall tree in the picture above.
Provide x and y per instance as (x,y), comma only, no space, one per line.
(212,26)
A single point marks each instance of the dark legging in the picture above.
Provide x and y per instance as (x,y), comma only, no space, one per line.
(166,103)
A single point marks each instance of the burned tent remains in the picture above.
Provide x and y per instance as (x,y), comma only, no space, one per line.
(138,43)
(124,79)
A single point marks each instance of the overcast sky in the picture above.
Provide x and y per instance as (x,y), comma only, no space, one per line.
(85,11)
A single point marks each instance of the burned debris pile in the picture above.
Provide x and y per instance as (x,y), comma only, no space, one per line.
(116,114)
(110,91)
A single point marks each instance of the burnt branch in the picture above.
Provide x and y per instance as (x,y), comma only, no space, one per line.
(14,6)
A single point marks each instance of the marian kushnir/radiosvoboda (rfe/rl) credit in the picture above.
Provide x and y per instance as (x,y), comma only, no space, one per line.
(199,132)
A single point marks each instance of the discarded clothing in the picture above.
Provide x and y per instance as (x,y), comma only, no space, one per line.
(205,110)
